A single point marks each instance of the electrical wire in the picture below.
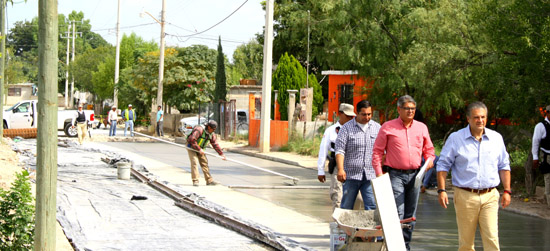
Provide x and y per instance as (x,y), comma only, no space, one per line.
(194,34)
(125,27)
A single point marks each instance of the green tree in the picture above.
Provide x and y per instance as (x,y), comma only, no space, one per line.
(220,92)
(248,60)
(289,75)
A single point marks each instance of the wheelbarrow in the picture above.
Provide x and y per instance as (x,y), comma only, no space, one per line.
(362,228)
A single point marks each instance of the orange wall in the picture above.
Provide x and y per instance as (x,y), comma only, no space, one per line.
(278,133)
(333,96)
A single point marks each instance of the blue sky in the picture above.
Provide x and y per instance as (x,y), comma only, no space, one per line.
(183,17)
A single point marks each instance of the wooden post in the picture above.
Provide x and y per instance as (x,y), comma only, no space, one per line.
(2,59)
(46,148)
(265,122)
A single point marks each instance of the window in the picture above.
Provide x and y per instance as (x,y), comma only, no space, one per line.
(14,92)
(23,108)
(346,94)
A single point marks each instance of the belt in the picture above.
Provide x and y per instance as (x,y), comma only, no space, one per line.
(478,191)
(407,171)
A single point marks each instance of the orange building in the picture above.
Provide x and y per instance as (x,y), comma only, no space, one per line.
(345,87)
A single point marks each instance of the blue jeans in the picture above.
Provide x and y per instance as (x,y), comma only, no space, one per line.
(406,199)
(350,190)
(430,178)
(129,123)
(112,130)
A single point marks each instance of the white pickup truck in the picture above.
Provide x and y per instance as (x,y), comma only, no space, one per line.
(24,115)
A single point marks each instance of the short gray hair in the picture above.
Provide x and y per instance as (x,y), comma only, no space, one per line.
(475,105)
(405,99)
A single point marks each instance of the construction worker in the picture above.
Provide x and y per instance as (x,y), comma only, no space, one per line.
(129,115)
(197,140)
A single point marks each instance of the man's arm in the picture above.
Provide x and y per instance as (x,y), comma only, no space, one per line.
(535,144)
(428,148)
(378,151)
(443,199)
(340,164)
(505,178)
(322,157)
(216,146)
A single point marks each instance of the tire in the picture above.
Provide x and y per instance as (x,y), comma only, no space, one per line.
(242,128)
(70,132)
(5,125)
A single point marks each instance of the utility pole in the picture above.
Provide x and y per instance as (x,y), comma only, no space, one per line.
(2,60)
(307,60)
(46,148)
(161,56)
(117,56)
(67,65)
(72,60)
(266,79)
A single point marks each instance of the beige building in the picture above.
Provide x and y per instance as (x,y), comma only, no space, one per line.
(18,92)
(240,94)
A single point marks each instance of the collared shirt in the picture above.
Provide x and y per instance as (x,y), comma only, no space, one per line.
(356,146)
(404,146)
(196,133)
(112,115)
(474,164)
(159,116)
(538,135)
(324,149)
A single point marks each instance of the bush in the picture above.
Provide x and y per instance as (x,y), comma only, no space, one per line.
(297,144)
(17,215)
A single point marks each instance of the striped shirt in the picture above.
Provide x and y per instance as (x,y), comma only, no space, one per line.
(356,145)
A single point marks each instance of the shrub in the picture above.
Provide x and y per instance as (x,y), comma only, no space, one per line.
(17,215)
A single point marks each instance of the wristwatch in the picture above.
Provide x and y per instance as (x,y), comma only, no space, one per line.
(441,190)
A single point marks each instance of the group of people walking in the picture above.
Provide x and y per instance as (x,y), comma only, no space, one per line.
(360,150)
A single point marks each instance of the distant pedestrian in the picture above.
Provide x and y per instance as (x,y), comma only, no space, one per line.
(81,124)
(541,140)
(403,141)
(476,157)
(129,116)
(327,151)
(198,140)
(354,146)
(112,118)
(160,119)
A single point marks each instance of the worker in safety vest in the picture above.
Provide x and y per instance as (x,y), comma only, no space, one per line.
(129,115)
(196,142)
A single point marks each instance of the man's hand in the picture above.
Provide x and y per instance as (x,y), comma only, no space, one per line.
(430,165)
(321,178)
(341,175)
(223,157)
(535,164)
(505,201)
(443,199)
(201,152)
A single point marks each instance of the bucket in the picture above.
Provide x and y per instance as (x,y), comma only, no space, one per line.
(337,237)
(123,170)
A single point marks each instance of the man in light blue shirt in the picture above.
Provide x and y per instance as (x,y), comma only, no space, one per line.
(160,119)
(477,158)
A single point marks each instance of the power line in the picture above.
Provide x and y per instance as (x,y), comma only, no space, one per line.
(194,34)
(125,27)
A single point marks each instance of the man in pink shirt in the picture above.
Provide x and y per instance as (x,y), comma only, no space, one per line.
(404,141)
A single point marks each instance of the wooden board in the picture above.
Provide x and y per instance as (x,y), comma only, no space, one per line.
(385,203)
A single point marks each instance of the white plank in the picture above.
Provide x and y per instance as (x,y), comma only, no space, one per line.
(385,203)
(420,174)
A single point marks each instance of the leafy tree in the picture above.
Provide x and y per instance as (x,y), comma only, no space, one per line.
(85,64)
(248,60)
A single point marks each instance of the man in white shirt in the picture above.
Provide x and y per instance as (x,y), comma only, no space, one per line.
(541,139)
(112,120)
(326,151)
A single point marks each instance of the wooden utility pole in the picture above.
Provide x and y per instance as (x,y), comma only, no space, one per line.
(46,148)
(266,79)
(2,60)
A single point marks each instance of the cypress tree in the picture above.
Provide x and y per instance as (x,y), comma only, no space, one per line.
(221,89)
